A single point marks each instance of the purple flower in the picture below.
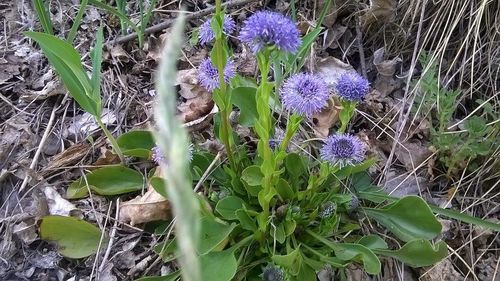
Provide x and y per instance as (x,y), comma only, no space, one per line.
(343,149)
(207,35)
(266,28)
(159,157)
(209,76)
(352,87)
(304,94)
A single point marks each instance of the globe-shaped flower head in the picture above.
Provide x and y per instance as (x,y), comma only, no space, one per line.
(343,149)
(266,28)
(159,158)
(207,34)
(209,76)
(304,94)
(352,87)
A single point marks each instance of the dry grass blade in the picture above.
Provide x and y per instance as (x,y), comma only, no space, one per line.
(173,141)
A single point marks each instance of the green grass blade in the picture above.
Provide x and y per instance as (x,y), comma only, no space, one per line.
(173,142)
(76,21)
(43,16)
(67,63)
(96,56)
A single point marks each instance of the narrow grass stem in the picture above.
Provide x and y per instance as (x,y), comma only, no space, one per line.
(111,139)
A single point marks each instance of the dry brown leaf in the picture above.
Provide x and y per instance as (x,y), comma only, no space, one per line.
(412,154)
(331,68)
(68,157)
(385,67)
(443,271)
(324,120)
(107,158)
(56,203)
(380,11)
(199,105)
(246,64)
(146,208)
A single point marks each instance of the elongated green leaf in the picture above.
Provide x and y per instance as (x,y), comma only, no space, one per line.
(218,266)
(379,197)
(212,234)
(408,218)
(228,206)
(245,99)
(110,180)
(418,253)
(66,61)
(43,16)
(352,252)
(96,55)
(136,143)
(246,222)
(76,21)
(75,238)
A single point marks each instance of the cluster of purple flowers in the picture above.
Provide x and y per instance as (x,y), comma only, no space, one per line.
(207,34)
(209,75)
(303,94)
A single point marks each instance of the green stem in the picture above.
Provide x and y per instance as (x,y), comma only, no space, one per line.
(291,127)
(263,127)
(111,139)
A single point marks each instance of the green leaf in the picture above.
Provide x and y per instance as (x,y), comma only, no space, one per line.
(252,176)
(418,253)
(75,238)
(245,99)
(67,63)
(284,190)
(350,251)
(159,186)
(218,266)
(295,165)
(111,180)
(43,15)
(136,143)
(289,260)
(350,170)
(101,5)
(378,197)
(228,206)
(96,56)
(408,218)
(373,241)
(246,222)
(476,125)
(212,234)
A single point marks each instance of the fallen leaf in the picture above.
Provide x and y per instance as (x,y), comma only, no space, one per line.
(56,203)
(107,157)
(325,119)
(443,271)
(379,12)
(399,184)
(68,157)
(330,69)
(412,153)
(85,124)
(246,64)
(151,206)
(385,67)
(25,232)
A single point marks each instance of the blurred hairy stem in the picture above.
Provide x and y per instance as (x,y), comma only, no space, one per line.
(111,139)
(173,141)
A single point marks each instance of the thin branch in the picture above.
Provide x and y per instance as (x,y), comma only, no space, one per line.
(168,23)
